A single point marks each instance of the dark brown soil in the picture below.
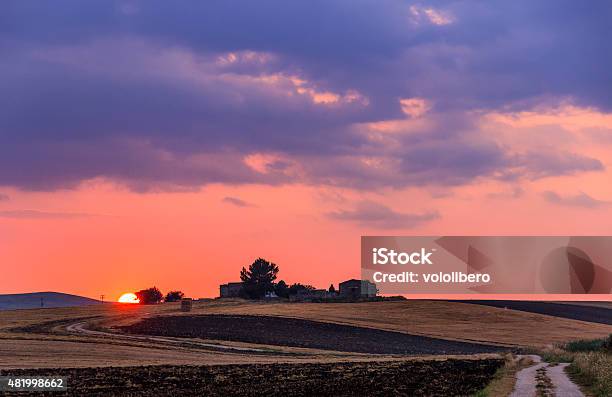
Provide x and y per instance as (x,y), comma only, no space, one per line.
(591,314)
(452,377)
(283,331)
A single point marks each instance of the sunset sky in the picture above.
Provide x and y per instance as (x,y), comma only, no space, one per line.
(157,143)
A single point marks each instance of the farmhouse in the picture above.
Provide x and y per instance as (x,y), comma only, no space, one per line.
(230,290)
(357,289)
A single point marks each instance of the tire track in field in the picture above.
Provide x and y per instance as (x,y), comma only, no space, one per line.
(81,328)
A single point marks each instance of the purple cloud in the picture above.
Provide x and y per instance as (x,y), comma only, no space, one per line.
(578,200)
(160,97)
(236,202)
(372,214)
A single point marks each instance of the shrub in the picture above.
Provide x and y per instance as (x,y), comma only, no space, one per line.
(607,345)
(585,345)
(149,296)
(174,296)
(594,369)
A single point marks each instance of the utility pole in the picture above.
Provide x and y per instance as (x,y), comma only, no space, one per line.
(102,298)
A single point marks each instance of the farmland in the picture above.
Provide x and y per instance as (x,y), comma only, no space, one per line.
(270,330)
(379,378)
(86,336)
(279,345)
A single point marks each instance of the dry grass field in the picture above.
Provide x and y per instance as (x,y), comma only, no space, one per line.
(87,337)
(443,319)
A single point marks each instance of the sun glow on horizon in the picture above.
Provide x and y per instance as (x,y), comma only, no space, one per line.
(129,298)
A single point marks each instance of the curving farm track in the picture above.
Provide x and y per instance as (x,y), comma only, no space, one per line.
(81,328)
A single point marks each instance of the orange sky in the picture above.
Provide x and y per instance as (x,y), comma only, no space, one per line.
(102,238)
(146,145)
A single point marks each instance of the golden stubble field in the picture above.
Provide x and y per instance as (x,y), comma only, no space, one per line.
(78,337)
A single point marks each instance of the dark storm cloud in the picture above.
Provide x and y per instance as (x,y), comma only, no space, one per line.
(546,47)
(318,28)
(372,214)
(77,93)
(135,91)
(140,166)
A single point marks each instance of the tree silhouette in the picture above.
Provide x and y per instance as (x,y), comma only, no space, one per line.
(174,296)
(281,289)
(258,279)
(332,289)
(294,288)
(149,296)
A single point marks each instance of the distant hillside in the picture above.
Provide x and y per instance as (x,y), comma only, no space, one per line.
(49,299)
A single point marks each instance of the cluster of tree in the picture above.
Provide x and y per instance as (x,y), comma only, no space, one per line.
(174,296)
(153,295)
(283,290)
(260,279)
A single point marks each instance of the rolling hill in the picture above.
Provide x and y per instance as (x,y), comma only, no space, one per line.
(49,299)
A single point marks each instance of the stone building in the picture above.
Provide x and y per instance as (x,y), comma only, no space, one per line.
(230,290)
(354,289)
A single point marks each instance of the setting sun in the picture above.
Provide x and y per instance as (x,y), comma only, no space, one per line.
(129,298)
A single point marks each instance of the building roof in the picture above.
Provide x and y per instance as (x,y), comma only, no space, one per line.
(351,280)
(354,280)
(232,283)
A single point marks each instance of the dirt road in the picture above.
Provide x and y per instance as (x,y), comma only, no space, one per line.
(544,379)
(81,328)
